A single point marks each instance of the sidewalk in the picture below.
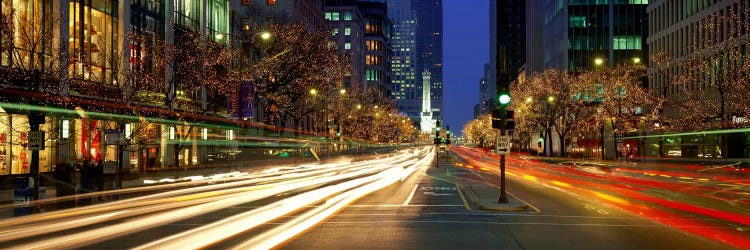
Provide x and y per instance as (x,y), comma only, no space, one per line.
(478,193)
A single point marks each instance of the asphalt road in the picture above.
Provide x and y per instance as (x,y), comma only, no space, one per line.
(439,220)
(400,201)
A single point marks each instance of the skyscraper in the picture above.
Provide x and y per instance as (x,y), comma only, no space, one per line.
(417,59)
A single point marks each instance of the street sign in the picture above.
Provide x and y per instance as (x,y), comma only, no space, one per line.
(112,137)
(503,145)
(36,140)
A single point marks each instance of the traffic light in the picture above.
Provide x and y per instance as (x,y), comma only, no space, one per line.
(503,90)
(509,122)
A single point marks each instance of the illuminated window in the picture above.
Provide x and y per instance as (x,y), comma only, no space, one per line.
(577,22)
(373,45)
(65,129)
(128,131)
(626,42)
(93,33)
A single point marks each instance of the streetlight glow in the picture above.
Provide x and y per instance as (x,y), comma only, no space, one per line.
(265,35)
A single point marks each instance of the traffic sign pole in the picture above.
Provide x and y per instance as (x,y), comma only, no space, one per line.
(503,198)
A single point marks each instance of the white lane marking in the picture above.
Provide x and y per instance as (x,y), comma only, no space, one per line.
(411,195)
(436,194)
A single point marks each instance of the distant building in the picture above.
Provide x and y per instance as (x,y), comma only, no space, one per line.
(416,61)
(377,46)
(346,25)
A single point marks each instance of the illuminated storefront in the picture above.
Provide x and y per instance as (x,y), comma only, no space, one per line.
(93,36)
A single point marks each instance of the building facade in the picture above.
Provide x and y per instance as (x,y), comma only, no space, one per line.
(309,12)
(346,25)
(417,60)
(377,46)
(78,62)
(577,33)
(690,30)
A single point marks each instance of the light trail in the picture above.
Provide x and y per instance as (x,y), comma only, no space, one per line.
(635,194)
(142,213)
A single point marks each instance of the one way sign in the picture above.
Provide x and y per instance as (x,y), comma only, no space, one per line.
(503,145)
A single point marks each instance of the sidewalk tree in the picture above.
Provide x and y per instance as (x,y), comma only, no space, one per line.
(712,84)
(296,61)
(544,99)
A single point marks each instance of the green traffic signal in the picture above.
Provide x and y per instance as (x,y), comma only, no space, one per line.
(504,99)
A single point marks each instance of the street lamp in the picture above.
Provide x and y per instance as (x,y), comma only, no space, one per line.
(265,35)
(598,61)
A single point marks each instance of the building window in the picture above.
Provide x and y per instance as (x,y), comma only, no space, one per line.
(92,40)
(347,16)
(578,22)
(332,16)
(347,31)
(271,2)
(374,75)
(373,25)
(374,60)
(245,23)
(626,42)
(373,45)
(347,46)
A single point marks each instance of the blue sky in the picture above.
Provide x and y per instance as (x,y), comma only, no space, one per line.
(465,51)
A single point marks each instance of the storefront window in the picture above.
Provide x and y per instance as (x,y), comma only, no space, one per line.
(29,35)
(93,32)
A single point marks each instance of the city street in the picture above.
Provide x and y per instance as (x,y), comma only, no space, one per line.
(404,201)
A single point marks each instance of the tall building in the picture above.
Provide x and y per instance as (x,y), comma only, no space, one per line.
(577,33)
(377,46)
(417,59)
(507,47)
(511,32)
(534,36)
(346,25)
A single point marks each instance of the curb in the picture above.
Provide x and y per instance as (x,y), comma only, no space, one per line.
(479,205)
